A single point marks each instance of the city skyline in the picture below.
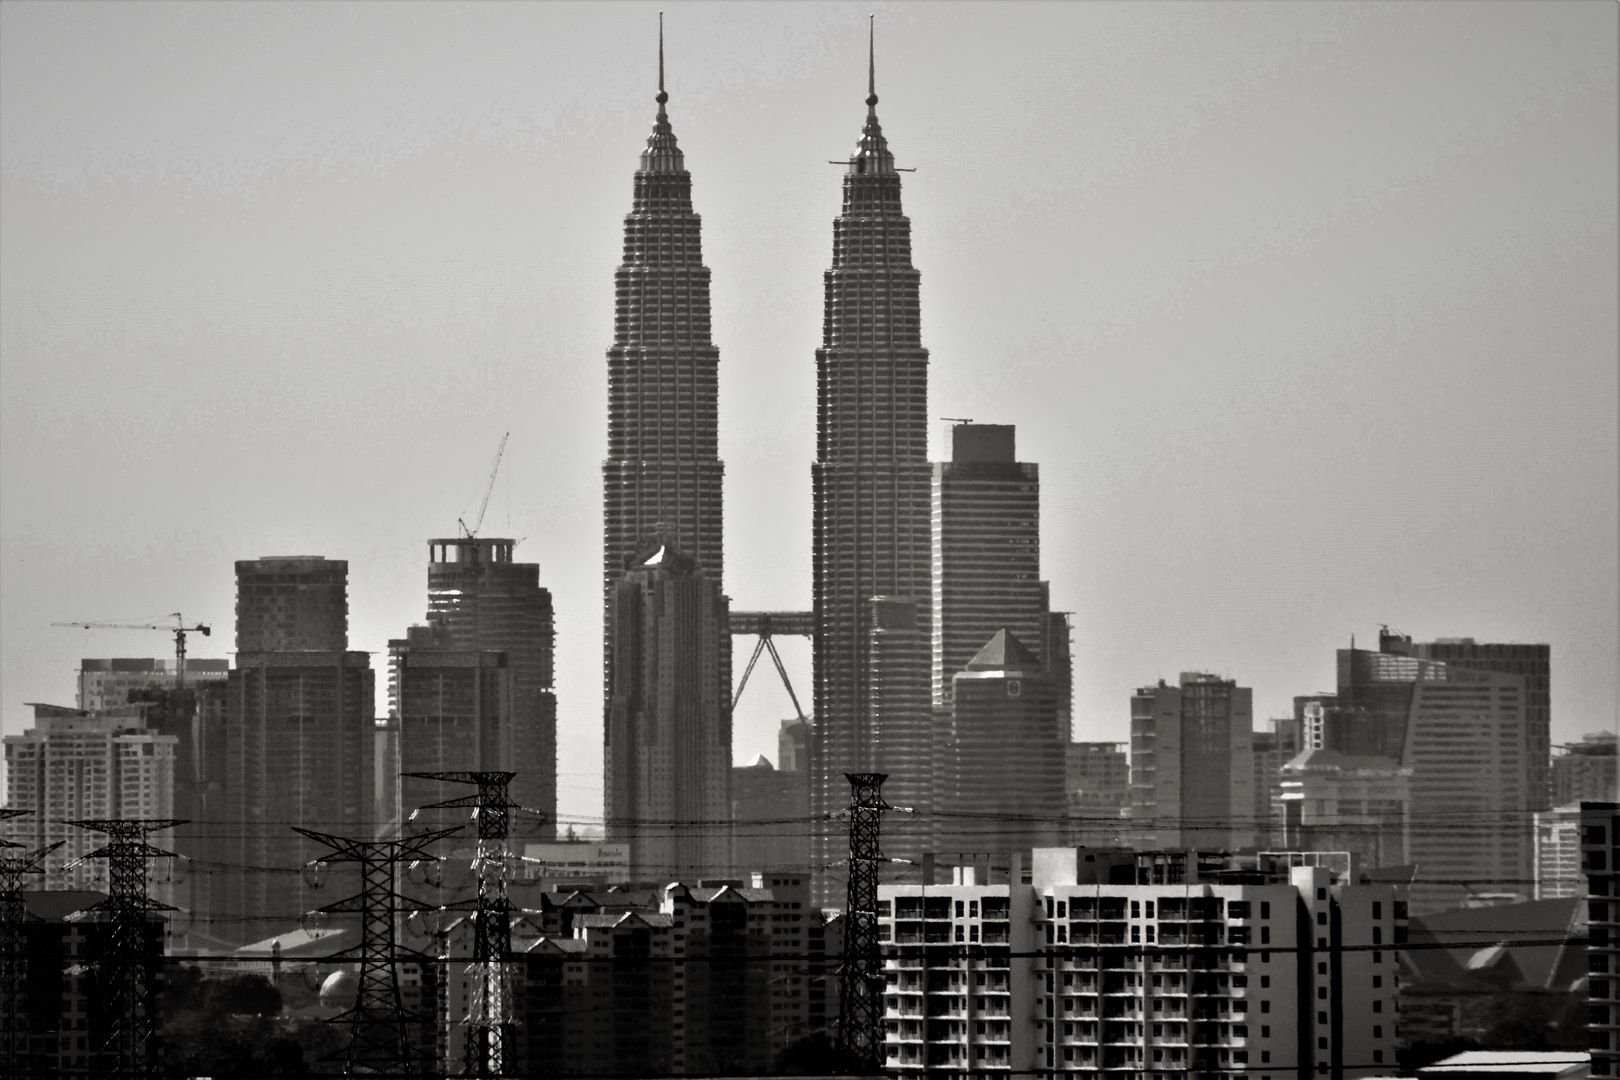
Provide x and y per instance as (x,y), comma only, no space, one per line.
(1474,507)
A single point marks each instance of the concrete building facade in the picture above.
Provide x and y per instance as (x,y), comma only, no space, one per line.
(107,682)
(299,740)
(667,758)
(454,713)
(1558,853)
(1098,792)
(481,600)
(870,481)
(1192,763)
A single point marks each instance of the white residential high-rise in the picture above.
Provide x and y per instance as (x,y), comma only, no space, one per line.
(1558,853)
(77,763)
(1292,974)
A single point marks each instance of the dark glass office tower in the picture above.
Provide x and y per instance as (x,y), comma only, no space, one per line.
(871,478)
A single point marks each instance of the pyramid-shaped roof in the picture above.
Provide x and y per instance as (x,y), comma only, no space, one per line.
(1004,652)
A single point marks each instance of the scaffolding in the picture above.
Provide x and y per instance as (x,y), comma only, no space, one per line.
(489,1015)
(379,1042)
(127,960)
(860,990)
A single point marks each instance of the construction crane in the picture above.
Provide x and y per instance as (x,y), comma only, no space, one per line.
(489,486)
(179,630)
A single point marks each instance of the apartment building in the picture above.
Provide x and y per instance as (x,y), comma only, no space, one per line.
(1600,856)
(1159,964)
(707,980)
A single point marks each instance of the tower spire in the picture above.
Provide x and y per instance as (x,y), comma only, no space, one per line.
(871,65)
(662,96)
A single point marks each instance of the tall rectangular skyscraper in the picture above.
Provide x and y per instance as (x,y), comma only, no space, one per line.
(481,601)
(298,741)
(871,475)
(986,551)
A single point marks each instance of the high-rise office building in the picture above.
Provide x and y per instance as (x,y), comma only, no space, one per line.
(663,471)
(1533,663)
(1274,745)
(454,711)
(667,758)
(1000,775)
(104,683)
(1192,763)
(986,550)
(75,764)
(1463,735)
(871,476)
(299,738)
(481,601)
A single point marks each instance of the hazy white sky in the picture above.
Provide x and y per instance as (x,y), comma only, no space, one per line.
(1307,312)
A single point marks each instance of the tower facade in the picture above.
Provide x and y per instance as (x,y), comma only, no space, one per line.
(871,475)
(481,601)
(663,471)
(668,746)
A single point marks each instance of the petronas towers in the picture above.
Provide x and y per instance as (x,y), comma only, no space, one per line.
(667,648)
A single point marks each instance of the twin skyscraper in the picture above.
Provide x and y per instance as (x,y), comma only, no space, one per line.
(923,573)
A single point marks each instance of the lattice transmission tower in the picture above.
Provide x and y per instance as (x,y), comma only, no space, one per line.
(379,1040)
(127,962)
(860,983)
(15,867)
(490,1028)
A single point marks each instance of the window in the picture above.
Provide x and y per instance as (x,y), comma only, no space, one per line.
(1321,918)
(1265,982)
(1321,894)
(1136,909)
(973,909)
(1378,1005)
(1378,1056)
(1378,909)
(1265,1005)
(1378,981)
(1378,1031)
(1265,909)
(1265,1031)
(959,911)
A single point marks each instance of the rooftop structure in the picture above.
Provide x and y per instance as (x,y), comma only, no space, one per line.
(291,604)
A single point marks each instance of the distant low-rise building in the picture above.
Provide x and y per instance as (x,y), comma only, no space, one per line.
(1586,771)
(1328,801)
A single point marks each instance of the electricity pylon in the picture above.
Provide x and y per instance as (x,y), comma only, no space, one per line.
(860,982)
(14,1048)
(127,961)
(379,1042)
(489,1015)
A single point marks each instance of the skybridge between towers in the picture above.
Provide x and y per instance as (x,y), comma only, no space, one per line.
(766,626)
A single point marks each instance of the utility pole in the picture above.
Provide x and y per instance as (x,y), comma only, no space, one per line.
(128,957)
(379,1042)
(14,1046)
(860,990)
(489,1016)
